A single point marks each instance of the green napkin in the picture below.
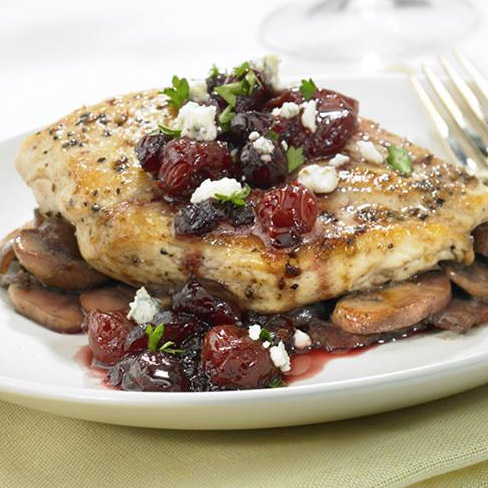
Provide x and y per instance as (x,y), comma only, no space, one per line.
(410,447)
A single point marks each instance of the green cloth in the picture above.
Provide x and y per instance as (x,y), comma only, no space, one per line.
(410,447)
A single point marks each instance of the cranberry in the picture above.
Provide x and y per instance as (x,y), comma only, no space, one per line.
(149,150)
(208,301)
(336,121)
(185,163)
(107,332)
(204,217)
(231,359)
(246,122)
(263,170)
(178,326)
(215,81)
(149,371)
(286,213)
(281,326)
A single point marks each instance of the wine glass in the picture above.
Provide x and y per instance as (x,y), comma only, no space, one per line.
(352,31)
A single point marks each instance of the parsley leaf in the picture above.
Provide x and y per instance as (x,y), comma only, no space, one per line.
(238,198)
(272,135)
(154,335)
(226,116)
(214,72)
(167,347)
(295,158)
(173,133)
(399,160)
(265,335)
(276,383)
(179,93)
(242,69)
(308,88)
(230,91)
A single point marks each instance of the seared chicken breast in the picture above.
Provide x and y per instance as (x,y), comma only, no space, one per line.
(377,226)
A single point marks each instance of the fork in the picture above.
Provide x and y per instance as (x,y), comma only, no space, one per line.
(459,110)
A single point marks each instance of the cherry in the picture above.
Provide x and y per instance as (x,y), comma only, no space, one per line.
(231,359)
(246,122)
(208,301)
(263,170)
(286,213)
(204,217)
(107,332)
(149,371)
(185,163)
(148,151)
(337,119)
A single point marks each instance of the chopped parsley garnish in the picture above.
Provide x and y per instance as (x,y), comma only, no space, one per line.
(238,198)
(277,383)
(214,72)
(242,69)
(308,88)
(154,335)
(399,160)
(265,335)
(230,91)
(167,347)
(179,93)
(272,135)
(246,82)
(295,158)
(173,133)
(226,116)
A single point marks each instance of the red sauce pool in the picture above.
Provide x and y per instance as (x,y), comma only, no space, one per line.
(84,356)
(305,366)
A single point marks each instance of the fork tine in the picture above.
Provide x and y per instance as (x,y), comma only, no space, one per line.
(478,149)
(480,83)
(458,155)
(467,94)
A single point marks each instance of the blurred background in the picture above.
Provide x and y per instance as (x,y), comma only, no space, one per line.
(57,55)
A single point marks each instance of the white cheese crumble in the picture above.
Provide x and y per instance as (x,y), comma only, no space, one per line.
(309,115)
(288,110)
(266,344)
(339,160)
(198,91)
(143,308)
(269,66)
(319,179)
(280,357)
(254,332)
(301,339)
(197,122)
(369,152)
(254,136)
(263,145)
(284,145)
(209,188)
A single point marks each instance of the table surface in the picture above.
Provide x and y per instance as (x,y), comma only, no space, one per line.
(57,55)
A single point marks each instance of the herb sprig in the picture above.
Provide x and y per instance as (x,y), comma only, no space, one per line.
(154,335)
(173,133)
(295,158)
(399,160)
(167,347)
(179,93)
(308,88)
(238,198)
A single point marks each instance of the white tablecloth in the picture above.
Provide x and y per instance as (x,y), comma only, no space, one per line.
(56,55)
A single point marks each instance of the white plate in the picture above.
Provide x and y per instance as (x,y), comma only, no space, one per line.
(38,369)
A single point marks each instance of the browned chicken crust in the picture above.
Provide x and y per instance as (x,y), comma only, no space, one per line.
(377,226)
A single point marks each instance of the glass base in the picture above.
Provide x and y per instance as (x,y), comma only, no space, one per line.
(355,30)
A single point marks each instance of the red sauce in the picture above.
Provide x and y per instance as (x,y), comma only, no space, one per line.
(304,366)
(84,356)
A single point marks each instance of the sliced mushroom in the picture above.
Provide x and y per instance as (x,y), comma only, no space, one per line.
(57,311)
(472,279)
(107,299)
(460,315)
(480,235)
(393,307)
(7,255)
(53,265)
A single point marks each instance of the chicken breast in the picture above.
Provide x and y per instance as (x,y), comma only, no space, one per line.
(377,226)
